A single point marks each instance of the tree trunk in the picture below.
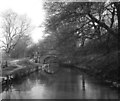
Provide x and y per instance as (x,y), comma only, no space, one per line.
(6,59)
(118,14)
(117,5)
(107,44)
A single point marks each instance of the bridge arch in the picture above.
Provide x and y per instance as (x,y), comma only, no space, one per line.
(50,59)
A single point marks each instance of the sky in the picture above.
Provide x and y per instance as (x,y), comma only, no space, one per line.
(32,8)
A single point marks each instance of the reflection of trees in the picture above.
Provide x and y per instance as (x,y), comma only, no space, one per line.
(25,85)
(83,82)
(28,83)
(7,91)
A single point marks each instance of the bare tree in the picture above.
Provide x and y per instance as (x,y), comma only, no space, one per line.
(14,27)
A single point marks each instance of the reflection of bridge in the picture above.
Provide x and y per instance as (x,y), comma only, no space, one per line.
(51,64)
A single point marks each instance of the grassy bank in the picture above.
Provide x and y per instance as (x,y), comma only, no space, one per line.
(19,68)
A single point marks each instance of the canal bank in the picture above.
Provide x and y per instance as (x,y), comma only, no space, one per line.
(101,66)
(18,70)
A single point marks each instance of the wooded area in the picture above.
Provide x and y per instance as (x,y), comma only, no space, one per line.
(83,34)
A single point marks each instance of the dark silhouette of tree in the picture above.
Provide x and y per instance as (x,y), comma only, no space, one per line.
(81,21)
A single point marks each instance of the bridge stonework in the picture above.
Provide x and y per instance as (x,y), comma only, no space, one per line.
(48,59)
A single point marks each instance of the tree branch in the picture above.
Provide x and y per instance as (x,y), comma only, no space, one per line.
(3,42)
(103,25)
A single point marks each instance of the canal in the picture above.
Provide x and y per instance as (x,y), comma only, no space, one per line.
(65,84)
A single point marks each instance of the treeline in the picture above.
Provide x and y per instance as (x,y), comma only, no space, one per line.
(76,26)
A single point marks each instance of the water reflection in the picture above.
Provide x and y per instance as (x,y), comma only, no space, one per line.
(66,84)
(83,82)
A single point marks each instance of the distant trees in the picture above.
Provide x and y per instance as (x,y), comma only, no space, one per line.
(31,50)
(20,50)
(14,27)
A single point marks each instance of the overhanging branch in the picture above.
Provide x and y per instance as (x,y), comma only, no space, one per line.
(102,24)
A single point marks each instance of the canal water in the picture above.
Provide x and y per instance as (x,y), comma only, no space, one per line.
(65,84)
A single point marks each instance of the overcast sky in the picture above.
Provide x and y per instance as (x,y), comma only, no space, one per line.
(32,8)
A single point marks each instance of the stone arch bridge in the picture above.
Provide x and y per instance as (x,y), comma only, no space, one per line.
(47,59)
